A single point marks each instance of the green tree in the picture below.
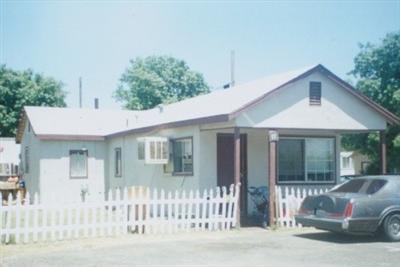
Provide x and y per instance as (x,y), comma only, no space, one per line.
(377,69)
(25,88)
(154,80)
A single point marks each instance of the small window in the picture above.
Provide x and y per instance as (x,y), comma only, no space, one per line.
(182,156)
(118,162)
(78,166)
(315,93)
(26,160)
(346,162)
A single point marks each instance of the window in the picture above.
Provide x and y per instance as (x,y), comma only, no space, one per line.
(26,160)
(78,166)
(153,150)
(306,160)
(315,93)
(346,162)
(182,156)
(118,162)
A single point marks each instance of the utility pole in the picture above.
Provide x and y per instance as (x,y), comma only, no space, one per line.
(232,68)
(80,92)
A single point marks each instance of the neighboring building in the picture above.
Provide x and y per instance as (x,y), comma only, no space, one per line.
(9,157)
(191,144)
(353,163)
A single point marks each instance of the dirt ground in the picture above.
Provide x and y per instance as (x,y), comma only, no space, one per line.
(244,247)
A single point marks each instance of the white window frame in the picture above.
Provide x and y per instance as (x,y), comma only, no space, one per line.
(306,181)
(161,149)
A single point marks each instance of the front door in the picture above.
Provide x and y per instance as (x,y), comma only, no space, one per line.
(225,165)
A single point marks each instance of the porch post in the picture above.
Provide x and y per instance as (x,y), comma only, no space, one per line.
(236,167)
(382,148)
(273,138)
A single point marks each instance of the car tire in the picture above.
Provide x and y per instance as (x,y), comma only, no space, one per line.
(391,227)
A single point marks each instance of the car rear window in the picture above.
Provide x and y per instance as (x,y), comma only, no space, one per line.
(363,186)
(352,186)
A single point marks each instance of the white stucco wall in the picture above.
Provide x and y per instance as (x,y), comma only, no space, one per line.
(289,108)
(55,170)
(136,172)
(31,178)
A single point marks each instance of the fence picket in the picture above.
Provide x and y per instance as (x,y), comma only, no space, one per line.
(17,217)
(163,213)
(25,221)
(27,217)
(289,201)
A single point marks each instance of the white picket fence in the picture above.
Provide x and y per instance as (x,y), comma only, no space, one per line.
(288,202)
(144,213)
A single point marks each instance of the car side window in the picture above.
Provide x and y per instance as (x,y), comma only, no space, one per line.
(375,186)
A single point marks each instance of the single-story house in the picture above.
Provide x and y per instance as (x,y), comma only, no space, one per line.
(282,129)
(9,157)
(353,163)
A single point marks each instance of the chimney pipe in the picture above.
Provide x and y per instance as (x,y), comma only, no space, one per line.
(96,103)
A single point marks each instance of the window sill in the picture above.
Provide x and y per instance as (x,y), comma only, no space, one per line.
(182,174)
(307,183)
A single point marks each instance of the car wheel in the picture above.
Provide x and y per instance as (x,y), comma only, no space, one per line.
(392,227)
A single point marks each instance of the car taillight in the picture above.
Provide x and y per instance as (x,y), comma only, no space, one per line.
(348,211)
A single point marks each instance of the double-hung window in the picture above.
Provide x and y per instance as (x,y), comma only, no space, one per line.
(182,150)
(78,163)
(306,160)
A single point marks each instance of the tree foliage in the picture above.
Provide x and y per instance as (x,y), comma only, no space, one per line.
(25,88)
(154,80)
(377,69)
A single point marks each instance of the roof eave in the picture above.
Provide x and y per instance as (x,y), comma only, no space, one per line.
(176,124)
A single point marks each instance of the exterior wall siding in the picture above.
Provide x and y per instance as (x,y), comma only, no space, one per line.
(136,172)
(290,108)
(55,180)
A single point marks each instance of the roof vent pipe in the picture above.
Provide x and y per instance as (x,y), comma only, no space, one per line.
(96,103)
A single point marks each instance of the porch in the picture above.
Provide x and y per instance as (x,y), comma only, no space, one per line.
(298,160)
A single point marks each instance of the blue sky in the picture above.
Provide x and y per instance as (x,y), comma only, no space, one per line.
(96,39)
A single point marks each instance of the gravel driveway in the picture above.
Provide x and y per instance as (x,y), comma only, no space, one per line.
(245,247)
